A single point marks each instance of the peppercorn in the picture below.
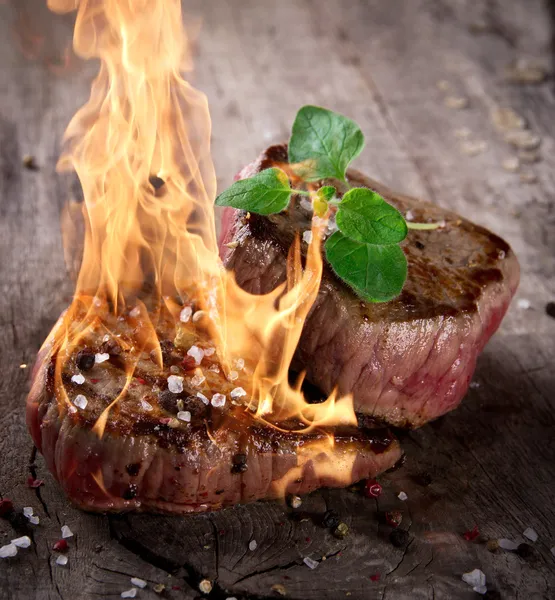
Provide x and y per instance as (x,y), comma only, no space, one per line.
(330,519)
(239,463)
(492,545)
(399,538)
(130,492)
(525,551)
(394,518)
(60,546)
(6,507)
(341,531)
(424,479)
(550,309)
(372,489)
(156,182)
(85,359)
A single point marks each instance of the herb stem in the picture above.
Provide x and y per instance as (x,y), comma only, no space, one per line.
(423,226)
(300,192)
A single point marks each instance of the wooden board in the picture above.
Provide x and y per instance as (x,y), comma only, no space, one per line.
(491,463)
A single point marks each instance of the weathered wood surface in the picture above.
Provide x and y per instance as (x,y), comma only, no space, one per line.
(492,462)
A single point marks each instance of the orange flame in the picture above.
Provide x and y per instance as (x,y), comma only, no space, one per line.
(141,149)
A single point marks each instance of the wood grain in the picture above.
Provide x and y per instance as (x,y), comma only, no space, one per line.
(490,464)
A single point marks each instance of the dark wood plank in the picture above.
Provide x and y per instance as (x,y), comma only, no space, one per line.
(491,463)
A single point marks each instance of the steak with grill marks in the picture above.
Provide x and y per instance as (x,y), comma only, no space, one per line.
(406,361)
(173,451)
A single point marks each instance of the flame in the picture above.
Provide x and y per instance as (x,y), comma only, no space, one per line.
(141,149)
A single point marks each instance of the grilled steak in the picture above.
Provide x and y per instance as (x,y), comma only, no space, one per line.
(406,361)
(169,450)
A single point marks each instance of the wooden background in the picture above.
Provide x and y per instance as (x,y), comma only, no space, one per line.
(491,463)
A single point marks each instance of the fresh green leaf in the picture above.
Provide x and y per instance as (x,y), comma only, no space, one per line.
(326,192)
(265,193)
(376,273)
(323,143)
(366,217)
(321,199)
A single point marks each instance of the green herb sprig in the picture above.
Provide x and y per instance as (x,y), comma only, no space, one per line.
(365,251)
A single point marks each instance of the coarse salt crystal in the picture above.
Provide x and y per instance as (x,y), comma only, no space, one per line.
(97,301)
(78,379)
(209,351)
(474,385)
(184,415)
(409,215)
(80,401)
(218,400)
(203,398)
(310,563)
(135,312)
(27,511)
(237,392)
(137,582)
(62,560)
(480,589)
(101,357)
(307,236)
(197,353)
(474,578)
(146,405)
(34,520)
(8,551)
(402,496)
(306,204)
(185,314)
(132,593)
(197,380)
(530,534)
(200,314)
(175,384)
(22,542)
(507,544)
(239,364)
(233,375)
(66,532)
(524,303)
(72,410)
(252,545)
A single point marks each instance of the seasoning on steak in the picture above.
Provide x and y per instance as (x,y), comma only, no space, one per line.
(406,361)
(164,449)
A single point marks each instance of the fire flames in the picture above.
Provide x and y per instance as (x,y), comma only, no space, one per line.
(141,149)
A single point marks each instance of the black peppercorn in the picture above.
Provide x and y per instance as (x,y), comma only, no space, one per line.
(424,479)
(330,519)
(550,309)
(130,492)
(525,551)
(239,463)
(399,538)
(85,359)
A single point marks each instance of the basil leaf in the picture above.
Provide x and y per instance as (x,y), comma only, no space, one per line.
(323,143)
(376,273)
(326,193)
(366,217)
(265,193)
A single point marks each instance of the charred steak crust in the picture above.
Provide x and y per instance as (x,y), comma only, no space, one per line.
(149,461)
(406,361)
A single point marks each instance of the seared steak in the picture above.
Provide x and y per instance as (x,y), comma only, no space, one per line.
(175,450)
(406,361)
